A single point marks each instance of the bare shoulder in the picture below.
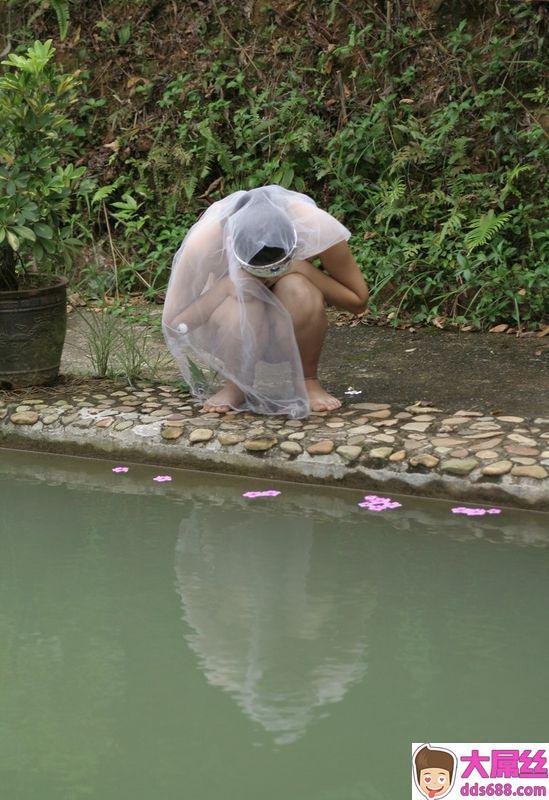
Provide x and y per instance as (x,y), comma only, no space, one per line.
(205,237)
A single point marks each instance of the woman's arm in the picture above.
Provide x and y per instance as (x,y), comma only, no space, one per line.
(199,311)
(202,248)
(345,286)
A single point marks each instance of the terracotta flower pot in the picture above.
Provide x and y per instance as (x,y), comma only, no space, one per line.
(33,324)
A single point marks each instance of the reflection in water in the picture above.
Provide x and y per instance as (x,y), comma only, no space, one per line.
(299,607)
(278,621)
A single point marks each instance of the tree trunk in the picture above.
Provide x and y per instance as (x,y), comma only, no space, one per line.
(8,278)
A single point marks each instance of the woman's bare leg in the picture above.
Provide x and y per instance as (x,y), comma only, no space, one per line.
(305,303)
(227,319)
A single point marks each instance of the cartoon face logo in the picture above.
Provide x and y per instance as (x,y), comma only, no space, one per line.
(434,771)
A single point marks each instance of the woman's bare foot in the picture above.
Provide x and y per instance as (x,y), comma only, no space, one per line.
(227,397)
(319,399)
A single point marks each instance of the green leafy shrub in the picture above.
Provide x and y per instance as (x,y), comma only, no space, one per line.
(424,136)
(37,183)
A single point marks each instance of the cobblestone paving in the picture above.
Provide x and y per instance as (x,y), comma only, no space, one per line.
(511,452)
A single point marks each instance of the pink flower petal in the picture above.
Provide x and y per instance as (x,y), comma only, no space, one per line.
(475,512)
(267,493)
(120,469)
(162,478)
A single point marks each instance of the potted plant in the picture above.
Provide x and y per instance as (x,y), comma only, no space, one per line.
(38,184)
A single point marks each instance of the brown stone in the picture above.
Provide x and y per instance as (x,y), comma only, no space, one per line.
(382,414)
(260,443)
(400,455)
(362,429)
(410,444)
(424,460)
(459,466)
(106,422)
(176,423)
(24,418)
(349,452)
(200,435)
(537,472)
(497,468)
(441,441)
(371,406)
(520,439)
(380,452)
(160,412)
(229,439)
(383,437)
(459,452)
(170,432)
(484,435)
(485,444)
(321,448)
(419,427)
(292,448)
(521,450)
(486,454)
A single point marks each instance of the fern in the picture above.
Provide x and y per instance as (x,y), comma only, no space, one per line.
(510,178)
(393,193)
(451,226)
(484,228)
(189,186)
(410,153)
(61,8)
(105,191)
(459,149)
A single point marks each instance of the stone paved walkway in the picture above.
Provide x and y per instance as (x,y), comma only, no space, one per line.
(421,449)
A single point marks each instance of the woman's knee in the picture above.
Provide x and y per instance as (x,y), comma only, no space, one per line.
(299,295)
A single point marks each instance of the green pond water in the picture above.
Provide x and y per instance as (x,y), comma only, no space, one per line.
(175,640)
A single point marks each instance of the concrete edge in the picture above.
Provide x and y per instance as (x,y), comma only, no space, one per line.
(330,470)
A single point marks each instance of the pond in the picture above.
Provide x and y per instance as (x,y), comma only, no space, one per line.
(169,639)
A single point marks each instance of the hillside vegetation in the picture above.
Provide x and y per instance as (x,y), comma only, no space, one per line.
(421,125)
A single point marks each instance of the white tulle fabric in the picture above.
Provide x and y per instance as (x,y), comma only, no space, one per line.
(222,323)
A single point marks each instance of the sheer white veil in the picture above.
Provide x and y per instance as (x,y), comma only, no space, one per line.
(219,321)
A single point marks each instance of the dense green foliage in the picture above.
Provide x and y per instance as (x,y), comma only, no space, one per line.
(423,134)
(36,190)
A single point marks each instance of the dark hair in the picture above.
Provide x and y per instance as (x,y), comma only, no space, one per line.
(440,759)
(267,255)
(269,215)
